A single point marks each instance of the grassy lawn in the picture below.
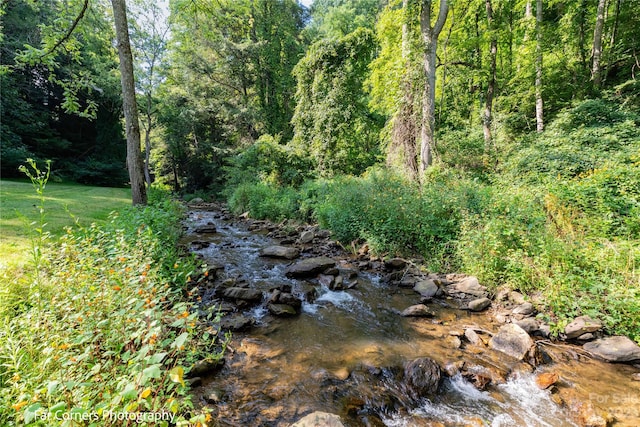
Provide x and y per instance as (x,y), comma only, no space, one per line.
(18,200)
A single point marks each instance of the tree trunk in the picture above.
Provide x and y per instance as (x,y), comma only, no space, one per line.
(596,72)
(430,38)
(403,136)
(134,157)
(487,116)
(539,102)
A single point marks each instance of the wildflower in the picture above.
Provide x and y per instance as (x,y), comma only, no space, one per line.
(19,405)
(116,288)
(145,393)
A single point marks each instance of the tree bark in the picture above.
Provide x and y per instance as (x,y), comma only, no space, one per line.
(430,39)
(487,116)
(129,105)
(596,72)
(539,101)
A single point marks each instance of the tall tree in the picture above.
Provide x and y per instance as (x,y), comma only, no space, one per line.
(129,104)
(430,39)
(487,115)
(539,100)
(150,29)
(596,52)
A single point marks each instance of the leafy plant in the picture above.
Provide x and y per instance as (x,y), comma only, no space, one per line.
(115,338)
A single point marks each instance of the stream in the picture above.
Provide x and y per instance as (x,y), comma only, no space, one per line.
(340,354)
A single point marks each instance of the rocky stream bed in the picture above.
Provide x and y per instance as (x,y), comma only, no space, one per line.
(326,337)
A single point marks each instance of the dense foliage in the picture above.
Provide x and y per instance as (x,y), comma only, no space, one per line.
(97,326)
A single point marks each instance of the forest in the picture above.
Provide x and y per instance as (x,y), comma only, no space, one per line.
(499,138)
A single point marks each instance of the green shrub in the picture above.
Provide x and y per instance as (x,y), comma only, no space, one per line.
(269,162)
(264,201)
(395,216)
(579,140)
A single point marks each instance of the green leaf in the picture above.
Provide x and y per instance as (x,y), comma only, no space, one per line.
(177,375)
(152,371)
(31,412)
(52,387)
(155,358)
(57,409)
(180,340)
(129,392)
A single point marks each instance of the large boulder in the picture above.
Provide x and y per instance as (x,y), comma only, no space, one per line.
(307,236)
(470,286)
(245,294)
(236,322)
(512,340)
(418,310)
(614,349)
(282,310)
(422,377)
(319,419)
(479,304)
(309,267)
(427,288)
(276,251)
(580,326)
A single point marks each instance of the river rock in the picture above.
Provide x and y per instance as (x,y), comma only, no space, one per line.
(479,304)
(289,299)
(395,263)
(422,376)
(306,236)
(276,251)
(418,310)
(516,298)
(326,280)
(524,309)
(614,349)
(338,284)
(204,367)
(528,324)
(473,337)
(319,419)
(245,294)
(282,310)
(307,291)
(580,326)
(547,379)
(471,286)
(206,229)
(512,340)
(236,322)
(426,288)
(195,201)
(309,267)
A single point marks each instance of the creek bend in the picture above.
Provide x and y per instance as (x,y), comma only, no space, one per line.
(342,352)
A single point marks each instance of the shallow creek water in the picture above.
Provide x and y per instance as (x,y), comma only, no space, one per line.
(285,368)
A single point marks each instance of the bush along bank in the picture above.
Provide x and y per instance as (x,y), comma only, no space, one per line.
(99,331)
